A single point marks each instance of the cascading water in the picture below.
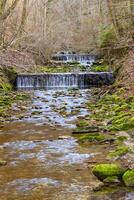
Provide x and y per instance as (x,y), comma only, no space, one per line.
(83,59)
(63,80)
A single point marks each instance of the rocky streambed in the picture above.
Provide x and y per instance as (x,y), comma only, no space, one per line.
(42,159)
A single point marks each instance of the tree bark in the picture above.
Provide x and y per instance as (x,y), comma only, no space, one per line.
(4,15)
(132,12)
(113,17)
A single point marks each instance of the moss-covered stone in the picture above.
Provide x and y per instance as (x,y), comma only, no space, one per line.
(128,178)
(122,126)
(7,78)
(82,123)
(100,68)
(69,67)
(92,137)
(103,171)
(3,162)
(120,151)
(121,138)
(112,179)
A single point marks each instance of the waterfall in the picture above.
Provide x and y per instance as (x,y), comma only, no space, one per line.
(63,80)
(83,59)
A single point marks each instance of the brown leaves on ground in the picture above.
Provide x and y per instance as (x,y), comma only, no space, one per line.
(23,61)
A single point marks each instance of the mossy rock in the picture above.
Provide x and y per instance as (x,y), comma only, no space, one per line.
(100,68)
(121,138)
(92,137)
(112,179)
(82,123)
(123,126)
(3,162)
(120,151)
(73,63)
(102,171)
(128,178)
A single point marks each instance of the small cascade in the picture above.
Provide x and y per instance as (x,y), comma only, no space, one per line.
(83,59)
(63,80)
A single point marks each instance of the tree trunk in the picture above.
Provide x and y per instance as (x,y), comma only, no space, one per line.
(1,32)
(113,17)
(132,12)
(4,15)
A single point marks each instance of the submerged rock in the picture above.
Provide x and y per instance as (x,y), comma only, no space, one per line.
(102,171)
(128,178)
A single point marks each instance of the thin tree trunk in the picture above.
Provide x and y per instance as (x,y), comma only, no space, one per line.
(132,12)
(113,17)
(4,15)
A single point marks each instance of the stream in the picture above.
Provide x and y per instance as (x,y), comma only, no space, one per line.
(44,161)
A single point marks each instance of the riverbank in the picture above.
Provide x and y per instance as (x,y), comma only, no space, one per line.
(111,123)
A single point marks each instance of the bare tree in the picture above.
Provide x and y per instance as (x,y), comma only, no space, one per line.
(5,11)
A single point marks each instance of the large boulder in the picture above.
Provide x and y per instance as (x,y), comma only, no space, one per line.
(102,171)
(128,178)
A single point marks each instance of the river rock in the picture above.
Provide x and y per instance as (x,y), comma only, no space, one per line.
(102,171)
(64,137)
(112,179)
(128,178)
(3,162)
(97,186)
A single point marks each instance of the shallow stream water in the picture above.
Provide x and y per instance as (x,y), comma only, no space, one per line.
(44,161)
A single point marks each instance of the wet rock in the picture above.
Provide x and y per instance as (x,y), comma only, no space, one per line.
(112,179)
(3,162)
(120,151)
(128,178)
(36,113)
(92,137)
(36,107)
(64,137)
(20,117)
(1,125)
(88,129)
(102,171)
(97,186)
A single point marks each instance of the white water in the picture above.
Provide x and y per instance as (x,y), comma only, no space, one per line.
(85,60)
(63,80)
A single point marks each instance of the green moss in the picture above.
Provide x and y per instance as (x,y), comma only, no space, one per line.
(112,179)
(92,137)
(103,171)
(73,63)
(120,151)
(69,67)
(130,99)
(100,68)
(122,108)
(82,123)
(7,78)
(121,138)
(128,178)
(3,162)
(123,126)
(7,99)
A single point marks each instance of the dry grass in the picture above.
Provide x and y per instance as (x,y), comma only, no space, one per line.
(127,70)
